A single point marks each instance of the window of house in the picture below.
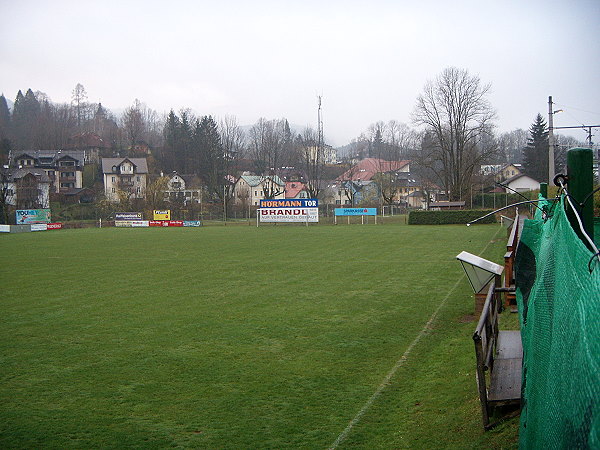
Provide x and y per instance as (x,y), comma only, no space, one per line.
(67,163)
(255,194)
(9,193)
(114,179)
(175,184)
(138,179)
(139,190)
(188,194)
(113,190)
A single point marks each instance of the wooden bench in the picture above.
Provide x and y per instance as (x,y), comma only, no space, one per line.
(499,359)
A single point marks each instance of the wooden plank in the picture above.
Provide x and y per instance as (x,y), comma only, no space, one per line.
(509,345)
(505,383)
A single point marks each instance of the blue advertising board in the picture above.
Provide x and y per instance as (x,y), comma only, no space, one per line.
(355,211)
(29,216)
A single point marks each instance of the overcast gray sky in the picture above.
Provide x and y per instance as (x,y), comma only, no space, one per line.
(368,59)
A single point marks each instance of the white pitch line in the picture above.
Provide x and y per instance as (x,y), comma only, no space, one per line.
(386,381)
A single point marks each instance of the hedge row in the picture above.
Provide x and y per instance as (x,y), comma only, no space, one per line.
(461,216)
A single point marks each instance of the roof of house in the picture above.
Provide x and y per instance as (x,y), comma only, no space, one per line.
(446,204)
(255,180)
(293,188)
(17,174)
(50,157)
(520,175)
(141,165)
(368,167)
(87,140)
(192,181)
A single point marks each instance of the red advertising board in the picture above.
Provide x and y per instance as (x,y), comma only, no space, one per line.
(165,223)
(55,226)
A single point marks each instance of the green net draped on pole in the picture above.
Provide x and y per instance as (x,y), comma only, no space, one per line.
(559,307)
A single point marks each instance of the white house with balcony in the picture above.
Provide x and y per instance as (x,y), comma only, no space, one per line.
(251,189)
(124,177)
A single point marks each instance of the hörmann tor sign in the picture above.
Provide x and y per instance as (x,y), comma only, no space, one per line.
(289,210)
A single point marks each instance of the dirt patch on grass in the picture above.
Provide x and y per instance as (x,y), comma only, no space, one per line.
(468,318)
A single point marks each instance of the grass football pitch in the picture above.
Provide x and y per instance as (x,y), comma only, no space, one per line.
(242,337)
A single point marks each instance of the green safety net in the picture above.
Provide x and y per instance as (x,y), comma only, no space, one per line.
(559,307)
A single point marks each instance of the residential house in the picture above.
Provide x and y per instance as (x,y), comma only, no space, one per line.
(367,168)
(358,185)
(521,183)
(124,176)
(328,154)
(25,188)
(92,146)
(406,184)
(64,168)
(353,193)
(251,189)
(183,188)
(509,171)
(295,189)
(416,199)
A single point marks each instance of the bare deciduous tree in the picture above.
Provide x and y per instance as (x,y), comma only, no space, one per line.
(79,103)
(312,159)
(267,139)
(133,123)
(455,112)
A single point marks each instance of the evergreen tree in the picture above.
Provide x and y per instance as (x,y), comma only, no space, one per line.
(4,117)
(25,120)
(4,130)
(377,145)
(185,162)
(211,156)
(169,154)
(535,155)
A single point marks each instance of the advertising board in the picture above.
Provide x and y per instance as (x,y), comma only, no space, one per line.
(355,211)
(28,216)
(55,226)
(162,214)
(131,223)
(166,223)
(39,226)
(128,216)
(192,223)
(289,210)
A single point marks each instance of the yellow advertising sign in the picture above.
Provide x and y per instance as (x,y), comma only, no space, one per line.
(162,215)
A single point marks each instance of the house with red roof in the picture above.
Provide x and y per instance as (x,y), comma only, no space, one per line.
(367,168)
(295,189)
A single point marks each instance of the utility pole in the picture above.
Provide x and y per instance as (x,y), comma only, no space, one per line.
(320,131)
(550,141)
